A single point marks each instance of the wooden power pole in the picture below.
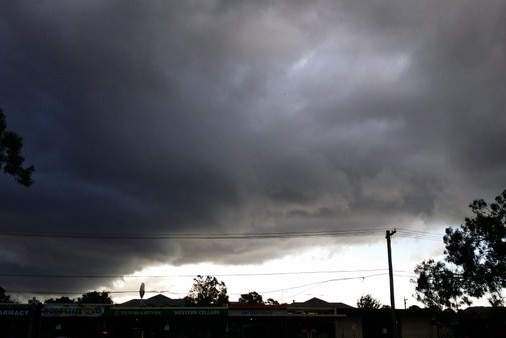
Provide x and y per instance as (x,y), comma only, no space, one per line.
(389,234)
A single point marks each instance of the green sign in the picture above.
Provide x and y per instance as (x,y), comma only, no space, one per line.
(200,312)
(166,312)
(136,312)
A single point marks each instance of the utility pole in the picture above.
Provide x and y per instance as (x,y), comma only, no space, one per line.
(389,234)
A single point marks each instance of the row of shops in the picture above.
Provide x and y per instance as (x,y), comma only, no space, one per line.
(90,321)
(312,319)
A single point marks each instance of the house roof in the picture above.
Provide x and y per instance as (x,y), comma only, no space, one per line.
(240,305)
(319,303)
(164,301)
(155,301)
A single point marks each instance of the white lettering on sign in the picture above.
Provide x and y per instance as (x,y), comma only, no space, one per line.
(14,313)
(72,310)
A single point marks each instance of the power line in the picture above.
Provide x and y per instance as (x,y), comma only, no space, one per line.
(406,233)
(317,284)
(312,285)
(204,236)
(216,236)
(193,275)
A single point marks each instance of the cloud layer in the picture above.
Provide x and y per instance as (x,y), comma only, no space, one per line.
(234,117)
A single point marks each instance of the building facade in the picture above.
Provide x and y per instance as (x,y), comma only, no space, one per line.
(162,317)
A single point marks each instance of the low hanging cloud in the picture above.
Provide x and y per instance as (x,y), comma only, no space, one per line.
(238,117)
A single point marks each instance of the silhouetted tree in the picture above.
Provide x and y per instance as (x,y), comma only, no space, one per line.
(4,297)
(271,301)
(368,302)
(474,263)
(251,298)
(95,297)
(207,291)
(438,287)
(61,300)
(11,160)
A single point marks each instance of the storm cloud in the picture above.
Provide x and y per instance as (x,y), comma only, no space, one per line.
(217,117)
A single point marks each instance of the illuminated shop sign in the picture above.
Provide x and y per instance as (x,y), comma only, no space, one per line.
(256,313)
(72,311)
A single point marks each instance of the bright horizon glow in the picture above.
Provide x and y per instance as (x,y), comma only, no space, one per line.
(332,273)
(343,276)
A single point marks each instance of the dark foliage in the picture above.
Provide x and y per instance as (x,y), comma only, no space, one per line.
(4,297)
(475,260)
(95,297)
(207,291)
(11,159)
(61,300)
(368,302)
(251,298)
(271,301)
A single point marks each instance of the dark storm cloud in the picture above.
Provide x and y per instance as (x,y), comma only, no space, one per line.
(238,117)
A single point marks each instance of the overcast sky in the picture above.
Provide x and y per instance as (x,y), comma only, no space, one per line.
(242,117)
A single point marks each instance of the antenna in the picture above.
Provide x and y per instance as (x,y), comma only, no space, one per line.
(142,290)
